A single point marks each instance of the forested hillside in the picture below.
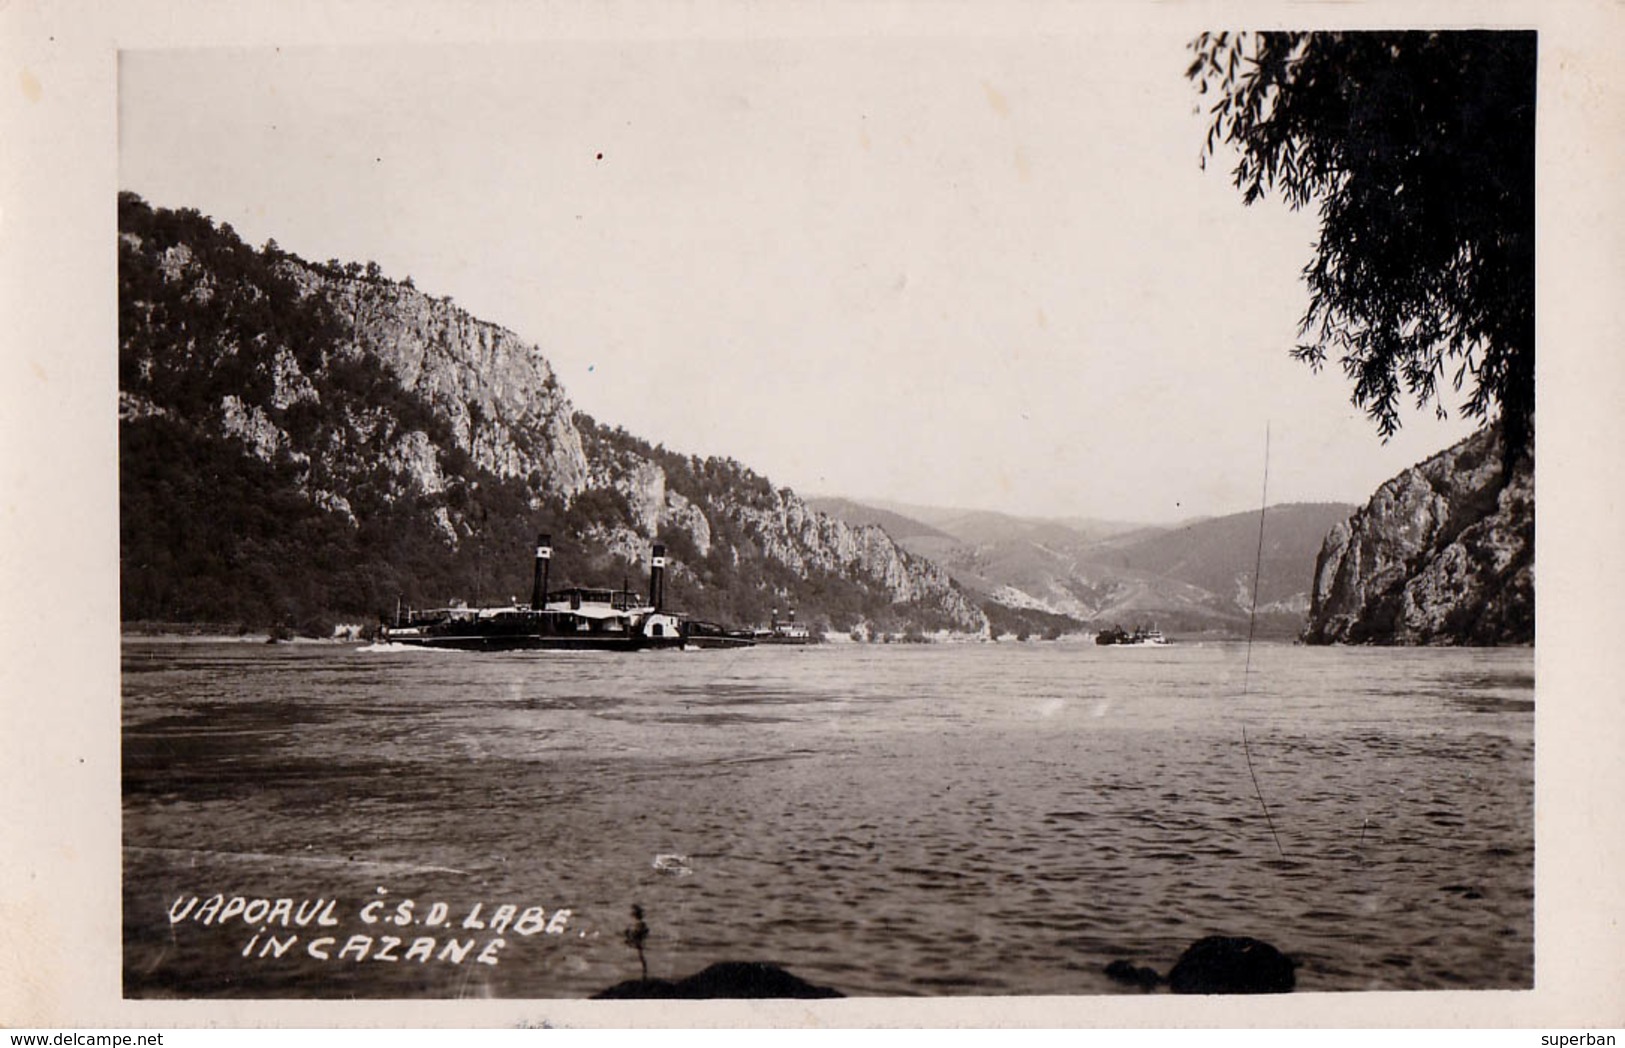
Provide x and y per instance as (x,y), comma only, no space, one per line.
(303,444)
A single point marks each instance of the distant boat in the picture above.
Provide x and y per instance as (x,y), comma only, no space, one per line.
(1141,637)
(576,619)
(787,632)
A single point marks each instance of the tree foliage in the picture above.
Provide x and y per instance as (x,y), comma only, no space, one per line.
(1419,149)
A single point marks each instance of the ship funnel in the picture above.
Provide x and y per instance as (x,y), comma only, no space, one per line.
(538,587)
(657,576)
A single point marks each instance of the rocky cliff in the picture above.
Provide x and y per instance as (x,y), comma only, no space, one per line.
(497,393)
(302,441)
(1442,554)
(708,512)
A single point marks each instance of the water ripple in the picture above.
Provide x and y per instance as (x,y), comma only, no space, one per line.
(918,820)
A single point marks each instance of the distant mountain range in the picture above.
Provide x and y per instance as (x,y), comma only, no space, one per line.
(896,522)
(904,520)
(1046,576)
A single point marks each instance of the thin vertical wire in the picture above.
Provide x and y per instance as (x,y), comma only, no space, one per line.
(1252,622)
(1258,562)
(1260,793)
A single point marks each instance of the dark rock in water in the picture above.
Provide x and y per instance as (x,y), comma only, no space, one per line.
(1232,964)
(1128,974)
(726,979)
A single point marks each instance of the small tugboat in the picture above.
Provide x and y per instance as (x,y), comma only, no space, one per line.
(572,619)
(787,632)
(1141,637)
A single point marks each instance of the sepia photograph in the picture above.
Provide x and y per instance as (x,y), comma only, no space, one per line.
(919,513)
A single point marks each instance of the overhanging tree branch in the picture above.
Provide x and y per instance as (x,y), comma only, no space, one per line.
(1418,150)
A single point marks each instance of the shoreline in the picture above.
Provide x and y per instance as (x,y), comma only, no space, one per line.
(198,633)
(188,633)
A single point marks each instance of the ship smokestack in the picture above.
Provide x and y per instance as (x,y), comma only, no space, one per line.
(657,577)
(538,587)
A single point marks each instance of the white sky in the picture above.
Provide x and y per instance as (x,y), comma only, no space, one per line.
(965,272)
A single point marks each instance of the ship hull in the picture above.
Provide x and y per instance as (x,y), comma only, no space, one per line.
(574,619)
(698,634)
(576,622)
(530,642)
(1140,638)
(720,642)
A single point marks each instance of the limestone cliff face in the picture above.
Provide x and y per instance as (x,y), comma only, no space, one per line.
(805,540)
(507,410)
(1442,554)
(498,392)
(498,396)
(783,528)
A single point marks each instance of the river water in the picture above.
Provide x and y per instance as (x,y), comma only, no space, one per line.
(886,820)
